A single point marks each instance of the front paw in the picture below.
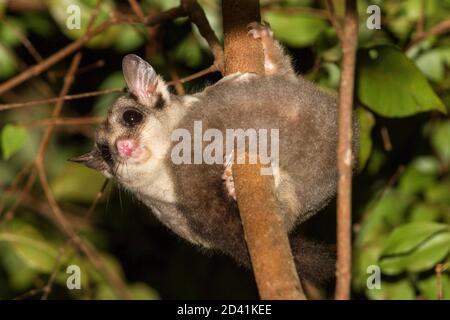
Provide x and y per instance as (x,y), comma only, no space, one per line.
(259,30)
(227,176)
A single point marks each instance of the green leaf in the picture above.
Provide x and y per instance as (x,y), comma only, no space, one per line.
(423,258)
(390,84)
(425,212)
(36,253)
(140,291)
(441,140)
(386,213)
(366,124)
(427,164)
(129,38)
(433,63)
(77,183)
(9,30)
(104,102)
(415,247)
(58,10)
(287,28)
(189,52)
(39,24)
(333,75)
(2,6)
(430,286)
(439,193)
(400,290)
(20,275)
(414,180)
(365,256)
(8,65)
(406,238)
(13,139)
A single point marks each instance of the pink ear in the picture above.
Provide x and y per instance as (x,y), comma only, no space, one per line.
(140,77)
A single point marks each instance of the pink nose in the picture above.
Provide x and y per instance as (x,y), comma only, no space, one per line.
(126,147)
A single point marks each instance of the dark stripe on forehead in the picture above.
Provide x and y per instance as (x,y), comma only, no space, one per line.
(160,102)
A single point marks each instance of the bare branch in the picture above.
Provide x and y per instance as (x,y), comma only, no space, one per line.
(76,45)
(196,75)
(47,289)
(198,17)
(293,10)
(441,28)
(24,40)
(97,198)
(26,5)
(63,122)
(42,102)
(174,75)
(349,44)
(68,80)
(331,13)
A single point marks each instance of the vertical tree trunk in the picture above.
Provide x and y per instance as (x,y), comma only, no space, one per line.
(264,228)
(349,43)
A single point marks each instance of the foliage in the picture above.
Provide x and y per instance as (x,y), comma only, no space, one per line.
(402,184)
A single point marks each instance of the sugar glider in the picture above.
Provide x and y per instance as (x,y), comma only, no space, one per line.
(196,201)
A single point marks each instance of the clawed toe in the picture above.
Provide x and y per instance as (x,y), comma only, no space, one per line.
(259,30)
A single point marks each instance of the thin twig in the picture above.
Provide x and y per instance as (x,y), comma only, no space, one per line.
(387,144)
(421,22)
(63,122)
(58,215)
(42,102)
(13,186)
(349,44)
(440,290)
(24,40)
(68,80)
(198,17)
(76,45)
(97,64)
(196,75)
(47,289)
(441,28)
(292,10)
(137,9)
(332,17)
(26,5)
(97,198)
(174,75)
(28,185)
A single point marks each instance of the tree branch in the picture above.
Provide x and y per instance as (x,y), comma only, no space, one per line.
(76,45)
(331,14)
(349,44)
(91,94)
(198,17)
(264,228)
(439,29)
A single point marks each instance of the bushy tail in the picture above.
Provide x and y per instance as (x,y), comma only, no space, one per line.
(314,261)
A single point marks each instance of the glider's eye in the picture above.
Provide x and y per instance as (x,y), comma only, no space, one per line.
(132,117)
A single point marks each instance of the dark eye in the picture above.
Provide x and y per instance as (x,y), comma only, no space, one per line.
(132,117)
